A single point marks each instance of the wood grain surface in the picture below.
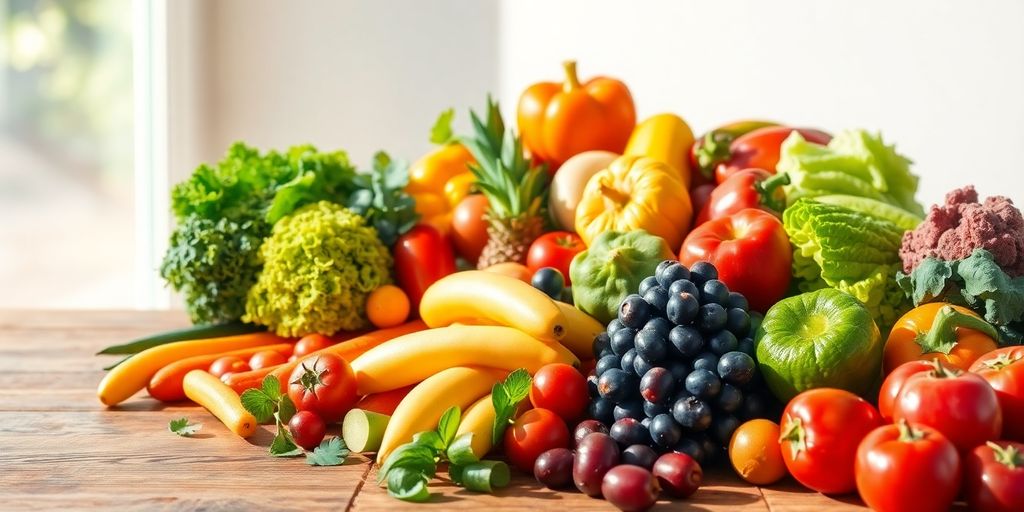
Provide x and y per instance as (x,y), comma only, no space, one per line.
(61,449)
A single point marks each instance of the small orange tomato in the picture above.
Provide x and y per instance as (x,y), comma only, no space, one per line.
(755,453)
(951,334)
(266,358)
(387,306)
(311,343)
(469,229)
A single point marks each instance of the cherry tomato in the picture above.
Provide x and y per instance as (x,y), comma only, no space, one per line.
(561,389)
(894,383)
(737,193)
(555,249)
(323,384)
(267,358)
(469,229)
(755,454)
(760,148)
(959,404)
(307,429)
(310,343)
(994,477)
(228,364)
(907,467)
(422,256)
(821,429)
(1004,371)
(533,433)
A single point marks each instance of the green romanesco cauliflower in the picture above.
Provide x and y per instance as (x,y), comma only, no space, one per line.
(320,264)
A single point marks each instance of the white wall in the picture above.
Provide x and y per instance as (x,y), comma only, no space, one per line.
(943,79)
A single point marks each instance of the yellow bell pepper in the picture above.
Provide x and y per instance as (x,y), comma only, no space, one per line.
(458,187)
(635,193)
(438,181)
(664,137)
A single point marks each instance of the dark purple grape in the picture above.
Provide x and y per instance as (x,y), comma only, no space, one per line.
(627,431)
(692,413)
(755,405)
(652,409)
(616,385)
(651,344)
(613,326)
(587,427)
(722,427)
(648,283)
(657,297)
(592,386)
(657,385)
(634,311)
(659,325)
(646,422)
(711,318)
(706,361)
(702,271)
(691,447)
(678,474)
(686,340)
(601,409)
(665,431)
(639,455)
(737,321)
(682,308)
(711,448)
(703,384)
(550,281)
(679,370)
(722,342)
(622,340)
(626,363)
(641,365)
(736,368)
(671,274)
(683,285)
(602,345)
(746,345)
(737,300)
(663,265)
(553,468)
(631,409)
(596,454)
(729,399)
(714,291)
(606,363)
(630,488)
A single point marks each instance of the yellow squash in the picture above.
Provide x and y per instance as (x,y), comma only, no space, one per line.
(664,137)
(635,193)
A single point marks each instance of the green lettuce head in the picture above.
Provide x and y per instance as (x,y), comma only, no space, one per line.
(319,265)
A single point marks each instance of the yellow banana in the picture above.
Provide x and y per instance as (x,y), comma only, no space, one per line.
(479,419)
(479,297)
(411,358)
(580,331)
(421,409)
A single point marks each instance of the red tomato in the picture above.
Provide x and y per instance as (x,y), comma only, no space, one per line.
(1004,371)
(422,256)
(266,358)
(533,433)
(310,343)
(994,477)
(555,249)
(323,384)
(751,251)
(737,193)
(561,389)
(821,429)
(469,229)
(959,404)
(228,364)
(760,148)
(894,383)
(307,429)
(905,467)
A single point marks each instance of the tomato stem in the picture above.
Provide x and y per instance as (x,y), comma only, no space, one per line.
(941,371)
(909,434)
(1009,456)
(793,432)
(768,190)
(713,150)
(572,81)
(310,377)
(999,362)
(943,335)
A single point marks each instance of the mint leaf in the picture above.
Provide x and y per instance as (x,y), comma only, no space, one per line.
(181,427)
(460,452)
(430,439)
(506,396)
(331,452)
(271,387)
(448,425)
(408,485)
(258,404)
(417,457)
(441,132)
(285,409)
(283,446)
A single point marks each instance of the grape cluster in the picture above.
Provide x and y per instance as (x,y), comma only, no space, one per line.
(675,370)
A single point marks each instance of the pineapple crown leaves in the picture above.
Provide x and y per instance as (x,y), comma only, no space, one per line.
(514,186)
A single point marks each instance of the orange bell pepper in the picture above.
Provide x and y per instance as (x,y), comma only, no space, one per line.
(441,178)
(559,120)
(938,331)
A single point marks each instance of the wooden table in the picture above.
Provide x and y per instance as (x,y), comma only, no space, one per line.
(60,448)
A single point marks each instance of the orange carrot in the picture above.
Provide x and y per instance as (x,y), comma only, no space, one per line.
(166,385)
(385,402)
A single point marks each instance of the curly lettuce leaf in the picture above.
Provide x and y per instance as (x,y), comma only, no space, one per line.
(316,176)
(854,163)
(839,248)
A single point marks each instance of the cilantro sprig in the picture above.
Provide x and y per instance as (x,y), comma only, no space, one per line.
(183,428)
(331,452)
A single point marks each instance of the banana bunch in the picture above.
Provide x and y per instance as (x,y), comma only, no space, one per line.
(482,326)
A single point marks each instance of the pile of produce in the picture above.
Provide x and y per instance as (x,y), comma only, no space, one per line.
(610,306)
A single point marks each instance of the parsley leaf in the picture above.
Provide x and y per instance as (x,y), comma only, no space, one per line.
(331,452)
(448,425)
(271,387)
(258,404)
(285,409)
(283,446)
(181,427)
(506,397)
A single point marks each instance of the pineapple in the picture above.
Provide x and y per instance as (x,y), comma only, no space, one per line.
(515,189)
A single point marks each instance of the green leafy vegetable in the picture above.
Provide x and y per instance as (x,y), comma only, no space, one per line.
(460,450)
(408,485)
(268,402)
(506,396)
(850,251)
(183,428)
(448,425)
(854,163)
(283,445)
(331,452)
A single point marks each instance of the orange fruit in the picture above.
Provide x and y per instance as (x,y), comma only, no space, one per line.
(387,306)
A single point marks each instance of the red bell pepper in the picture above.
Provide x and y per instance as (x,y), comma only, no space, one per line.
(738,192)
(751,251)
(422,256)
(760,148)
